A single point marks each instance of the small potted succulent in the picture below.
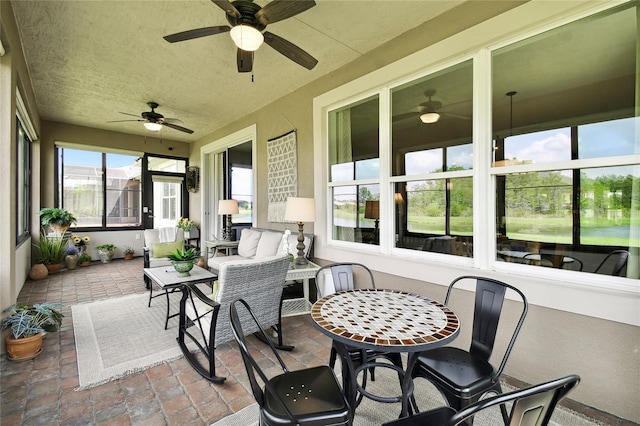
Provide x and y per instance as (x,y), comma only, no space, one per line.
(28,323)
(105,251)
(85,259)
(128,253)
(183,260)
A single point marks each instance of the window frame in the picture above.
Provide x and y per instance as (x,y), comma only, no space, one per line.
(599,296)
(23,169)
(58,193)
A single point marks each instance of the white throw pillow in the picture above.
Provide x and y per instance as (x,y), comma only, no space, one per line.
(268,245)
(293,245)
(248,244)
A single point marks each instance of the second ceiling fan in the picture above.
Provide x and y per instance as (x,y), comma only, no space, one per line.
(248,20)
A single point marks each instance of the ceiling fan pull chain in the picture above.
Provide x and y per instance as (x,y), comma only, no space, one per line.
(252,76)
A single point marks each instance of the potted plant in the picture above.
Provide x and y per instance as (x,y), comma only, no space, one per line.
(128,253)
(189,228)
(71,259)
(183,260)
(81,242)
(85,260)
(105,251)
(51,251)
(59,220)
(27,326)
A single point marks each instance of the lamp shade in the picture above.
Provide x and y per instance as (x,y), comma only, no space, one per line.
(228,207)
(246,37)
(372,209)
(154,127)
(300,209)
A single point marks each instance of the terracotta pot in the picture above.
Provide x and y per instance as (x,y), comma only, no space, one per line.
(38,272)
(23,349)
(128,256)
(201,262)
(54,267)
(86,263)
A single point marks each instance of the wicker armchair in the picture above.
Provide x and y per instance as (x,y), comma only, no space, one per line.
(259,282)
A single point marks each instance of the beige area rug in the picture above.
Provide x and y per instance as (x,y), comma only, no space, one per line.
(121,336)
(371,413)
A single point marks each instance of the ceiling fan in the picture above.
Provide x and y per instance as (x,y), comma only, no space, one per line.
(429,111)
(248,20)
(154,121)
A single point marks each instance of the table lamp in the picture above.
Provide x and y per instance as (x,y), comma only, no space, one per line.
(300,210)
(228,207)
(372,211)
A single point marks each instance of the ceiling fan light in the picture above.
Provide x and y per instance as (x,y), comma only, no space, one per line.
(154,127)
(246,37)
(430,117)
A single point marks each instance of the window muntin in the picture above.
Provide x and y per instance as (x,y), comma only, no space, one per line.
(23,184)
(571,217)
(100,189)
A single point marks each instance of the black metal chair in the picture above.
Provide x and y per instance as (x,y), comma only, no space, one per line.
(610,267)
(308,396)
(532,406)
(343,278)
(463,377)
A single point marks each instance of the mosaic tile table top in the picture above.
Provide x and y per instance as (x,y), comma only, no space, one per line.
(400,321)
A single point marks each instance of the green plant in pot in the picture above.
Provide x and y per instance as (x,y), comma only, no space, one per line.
(84,260)
(51,251)
(105,251)
(183,260)
(59,220)
(27,325)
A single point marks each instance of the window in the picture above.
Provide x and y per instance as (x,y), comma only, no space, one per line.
(23,184)
(103,190)
(533,142)
(568,189)
(354,164)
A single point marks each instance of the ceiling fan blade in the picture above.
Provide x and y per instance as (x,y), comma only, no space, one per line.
(197,33)
(245,61)
(290,50)
(122,121)
(172,120)
(133,115)
(405,116)
(463,117)
(227,7)
(278,10)
(176,127)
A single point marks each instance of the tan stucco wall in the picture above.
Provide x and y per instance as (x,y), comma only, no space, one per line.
(552,343)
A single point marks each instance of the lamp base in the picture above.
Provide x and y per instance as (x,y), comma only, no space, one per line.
(300,260)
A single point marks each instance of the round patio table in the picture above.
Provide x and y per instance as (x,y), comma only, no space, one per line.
(383,320)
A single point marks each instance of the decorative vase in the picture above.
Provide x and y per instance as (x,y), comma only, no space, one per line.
(38,272)
(71,260)
(53,267)
(105,255)
(24,348)
(183,267)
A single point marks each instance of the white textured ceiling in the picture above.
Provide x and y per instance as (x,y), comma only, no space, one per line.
(91,60)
